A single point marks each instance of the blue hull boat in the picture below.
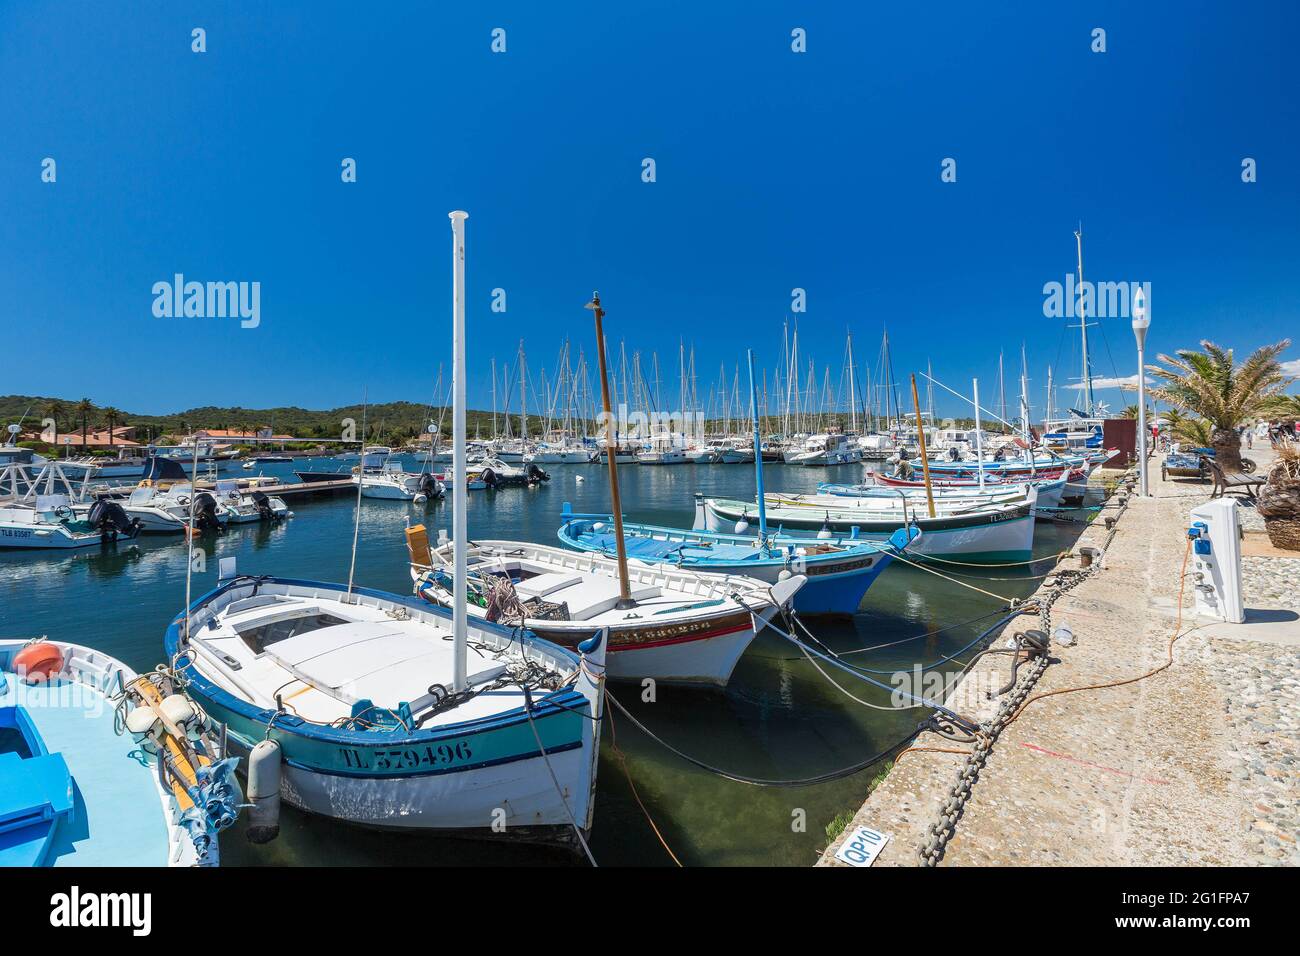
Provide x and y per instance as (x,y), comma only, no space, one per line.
(839,573)
(100,766)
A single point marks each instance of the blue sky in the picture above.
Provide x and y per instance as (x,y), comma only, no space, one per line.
(775,170)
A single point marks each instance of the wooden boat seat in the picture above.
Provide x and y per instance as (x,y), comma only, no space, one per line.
(541,585)
(592,595)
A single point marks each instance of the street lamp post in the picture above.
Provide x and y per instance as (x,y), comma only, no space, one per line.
(1141,322)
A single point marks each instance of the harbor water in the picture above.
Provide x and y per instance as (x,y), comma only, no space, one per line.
(778,719)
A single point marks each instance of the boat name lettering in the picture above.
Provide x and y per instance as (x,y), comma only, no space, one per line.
(407,758)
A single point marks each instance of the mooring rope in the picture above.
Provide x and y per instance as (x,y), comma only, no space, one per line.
(1003,598)
(760,781)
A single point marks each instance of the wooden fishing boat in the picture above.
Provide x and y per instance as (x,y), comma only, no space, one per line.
(679,626)
(839,574)
(380,710)
(1051,490)
(977,532)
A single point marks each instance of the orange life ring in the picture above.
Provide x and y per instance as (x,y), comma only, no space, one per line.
(37,663)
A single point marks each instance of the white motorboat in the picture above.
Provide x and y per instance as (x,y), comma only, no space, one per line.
(546,454)
(52,522)
(171,510)
(827,448)
(393,483)
(495,473)
(662,453)
(246,505)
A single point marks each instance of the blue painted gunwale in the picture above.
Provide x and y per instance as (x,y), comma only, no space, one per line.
(854,548)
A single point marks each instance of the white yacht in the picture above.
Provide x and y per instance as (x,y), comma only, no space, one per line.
(827,448)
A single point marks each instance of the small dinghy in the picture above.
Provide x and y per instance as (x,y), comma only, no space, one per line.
(100,766)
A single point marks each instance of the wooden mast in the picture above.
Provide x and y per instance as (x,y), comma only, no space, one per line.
(611,450)
(920,436)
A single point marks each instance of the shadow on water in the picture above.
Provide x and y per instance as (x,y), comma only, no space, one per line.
(779,718)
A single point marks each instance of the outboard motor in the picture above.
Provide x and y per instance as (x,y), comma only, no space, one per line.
(431,487)
(263,504)
(535,475)
(110,519)
(490,478)
(954,454)
(205,513)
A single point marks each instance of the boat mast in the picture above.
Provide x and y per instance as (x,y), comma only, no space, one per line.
(925,459)
(523,397)
(459,493)
(853,394)
(785,419)
(1002,392)
(624,587)
(1024,408)
(979,434)
(1083,327)
(758,454)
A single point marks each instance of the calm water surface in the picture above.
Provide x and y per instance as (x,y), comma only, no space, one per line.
(778,718)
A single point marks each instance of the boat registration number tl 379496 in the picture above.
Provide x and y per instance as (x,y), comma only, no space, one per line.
(406,758)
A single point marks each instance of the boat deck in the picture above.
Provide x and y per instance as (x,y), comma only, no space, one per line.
(323,658)
(117,819)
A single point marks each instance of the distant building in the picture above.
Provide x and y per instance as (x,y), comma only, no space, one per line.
(123,437)
(236,435)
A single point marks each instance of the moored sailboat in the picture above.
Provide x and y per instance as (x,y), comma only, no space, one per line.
(381,711)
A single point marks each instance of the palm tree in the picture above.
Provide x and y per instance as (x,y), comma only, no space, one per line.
(1211,385)
(113,418)
(1189,429)
(1282,406)
(83,410)
(54,411)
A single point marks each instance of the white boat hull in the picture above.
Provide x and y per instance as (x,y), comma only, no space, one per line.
(453,802)
(572,457)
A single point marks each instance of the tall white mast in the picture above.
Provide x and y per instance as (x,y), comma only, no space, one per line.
(459,493)
(853,394)
(1083,327)
(523,396)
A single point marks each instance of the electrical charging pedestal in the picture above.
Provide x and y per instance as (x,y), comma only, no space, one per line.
(1216,561)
